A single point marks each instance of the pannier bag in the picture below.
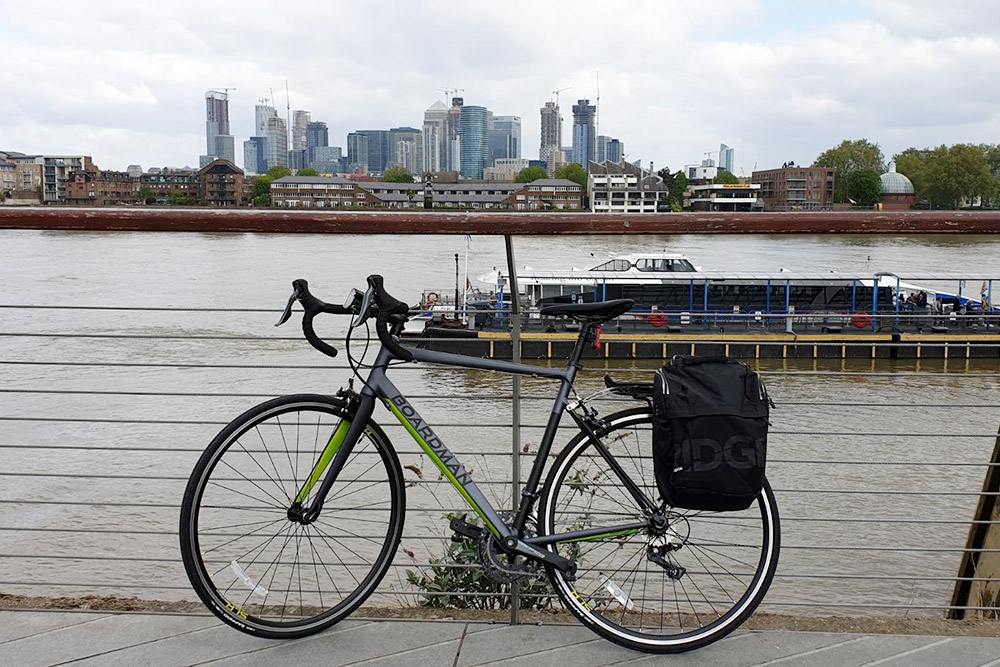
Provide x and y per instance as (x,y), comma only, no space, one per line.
(709,433)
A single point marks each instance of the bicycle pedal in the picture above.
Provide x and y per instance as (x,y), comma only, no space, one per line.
(464,531)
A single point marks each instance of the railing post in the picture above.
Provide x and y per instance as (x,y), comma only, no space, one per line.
(975,562)
(515,343)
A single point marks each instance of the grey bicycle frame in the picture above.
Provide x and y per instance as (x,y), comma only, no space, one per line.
(378,386)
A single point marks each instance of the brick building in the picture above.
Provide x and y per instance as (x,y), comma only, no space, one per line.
(167,182)
(221,183)
(101,188)
(795,188)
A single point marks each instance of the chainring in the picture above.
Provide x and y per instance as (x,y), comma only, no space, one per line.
(498,564)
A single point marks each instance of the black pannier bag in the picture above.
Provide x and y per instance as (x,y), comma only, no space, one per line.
(709,433)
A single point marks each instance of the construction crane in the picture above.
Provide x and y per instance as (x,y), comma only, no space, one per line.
(556,93)
(448,91)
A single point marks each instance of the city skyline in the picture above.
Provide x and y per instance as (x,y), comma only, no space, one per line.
(777,80)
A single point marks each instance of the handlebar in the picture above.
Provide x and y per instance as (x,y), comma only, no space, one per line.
(387,309)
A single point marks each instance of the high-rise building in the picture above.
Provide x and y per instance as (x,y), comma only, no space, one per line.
(357,152)
(505,138)
(379,153)
(262,112)
(406,145)
(255,155)
(454,140)
(327,159)
(297,159)
(474,138)
(584,140)
(435,133)
(218,140)
(727,158)
(300,125)
(317,136)
(551,135)
(609,149)
(277,142)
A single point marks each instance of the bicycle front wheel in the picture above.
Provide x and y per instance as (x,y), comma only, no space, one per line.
(249,560)
(655,590)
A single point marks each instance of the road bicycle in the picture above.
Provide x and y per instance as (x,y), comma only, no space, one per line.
(293,513)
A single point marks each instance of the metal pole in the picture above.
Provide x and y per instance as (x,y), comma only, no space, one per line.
(456,286)
(515,340)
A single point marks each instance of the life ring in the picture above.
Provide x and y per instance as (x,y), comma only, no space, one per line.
(431,299)
(657,320)
(861,321)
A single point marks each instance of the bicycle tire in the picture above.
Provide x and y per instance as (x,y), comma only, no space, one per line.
(322,584)
(662,617)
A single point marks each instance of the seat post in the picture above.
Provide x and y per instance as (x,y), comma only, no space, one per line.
(586,333)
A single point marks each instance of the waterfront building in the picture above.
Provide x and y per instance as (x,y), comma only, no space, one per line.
(505,138)
(327,192)
(551,142)
(407,149)
(28,176)
(357,153)
(300,129)
(897,191)
(506,169)
(474,140)
(317,136)
(255,155)
(620,187)
(699,174)
(98,187)
(724,197)
(166,182)
(8,178)
(221,183)
(584,139)
(727,158)
(134,170)
(218,139)
(454,140)
(795,188)
(277,142)
(434,137)
(56,170)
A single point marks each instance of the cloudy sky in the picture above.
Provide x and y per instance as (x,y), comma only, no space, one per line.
(776,79)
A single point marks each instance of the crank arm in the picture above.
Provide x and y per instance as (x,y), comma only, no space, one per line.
(564,565)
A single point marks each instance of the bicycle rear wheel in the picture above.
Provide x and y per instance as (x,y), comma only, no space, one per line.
(627,587)
(254,566)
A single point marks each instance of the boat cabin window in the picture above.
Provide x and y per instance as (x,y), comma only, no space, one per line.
(664,265)
(614,265)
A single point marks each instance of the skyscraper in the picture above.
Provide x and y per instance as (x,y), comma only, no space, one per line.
(255,155)
(609,149)
(505,138)
(584,140)
(218,140)
(277,142)
(357,152)
(406,146)
(262,112)
(317,135)
(551,135)
(435,134)
(727,158)
(474,138)
(300,124)
(379,153)
(454,140)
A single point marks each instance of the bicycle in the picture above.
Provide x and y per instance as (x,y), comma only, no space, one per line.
(282,548)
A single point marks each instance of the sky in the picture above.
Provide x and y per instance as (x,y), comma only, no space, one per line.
(777,80)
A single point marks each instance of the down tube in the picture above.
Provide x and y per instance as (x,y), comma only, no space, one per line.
(441,456)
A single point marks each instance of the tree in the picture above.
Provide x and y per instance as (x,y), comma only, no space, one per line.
(848,157)
(260,191)
(177,199)
(864,187)
(145,195)
(529,174)
(307,171)
(949,177)
(4,194)
(274,173)
(676,183)
(725,177)
(397,175)
(573,172)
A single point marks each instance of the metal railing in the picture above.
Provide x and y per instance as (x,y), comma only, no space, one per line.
(877,469)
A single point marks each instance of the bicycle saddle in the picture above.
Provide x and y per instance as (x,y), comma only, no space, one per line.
(593,313)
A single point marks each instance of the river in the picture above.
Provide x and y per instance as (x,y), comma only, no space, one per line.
(931,411)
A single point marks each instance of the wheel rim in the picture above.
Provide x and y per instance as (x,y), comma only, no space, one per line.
(729,557)
(257,565)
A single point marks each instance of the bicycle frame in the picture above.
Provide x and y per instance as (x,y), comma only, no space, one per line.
(378,386)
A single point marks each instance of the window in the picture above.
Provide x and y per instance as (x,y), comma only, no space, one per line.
(614,265)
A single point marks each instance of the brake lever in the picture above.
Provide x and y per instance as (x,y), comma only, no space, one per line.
(296,293)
